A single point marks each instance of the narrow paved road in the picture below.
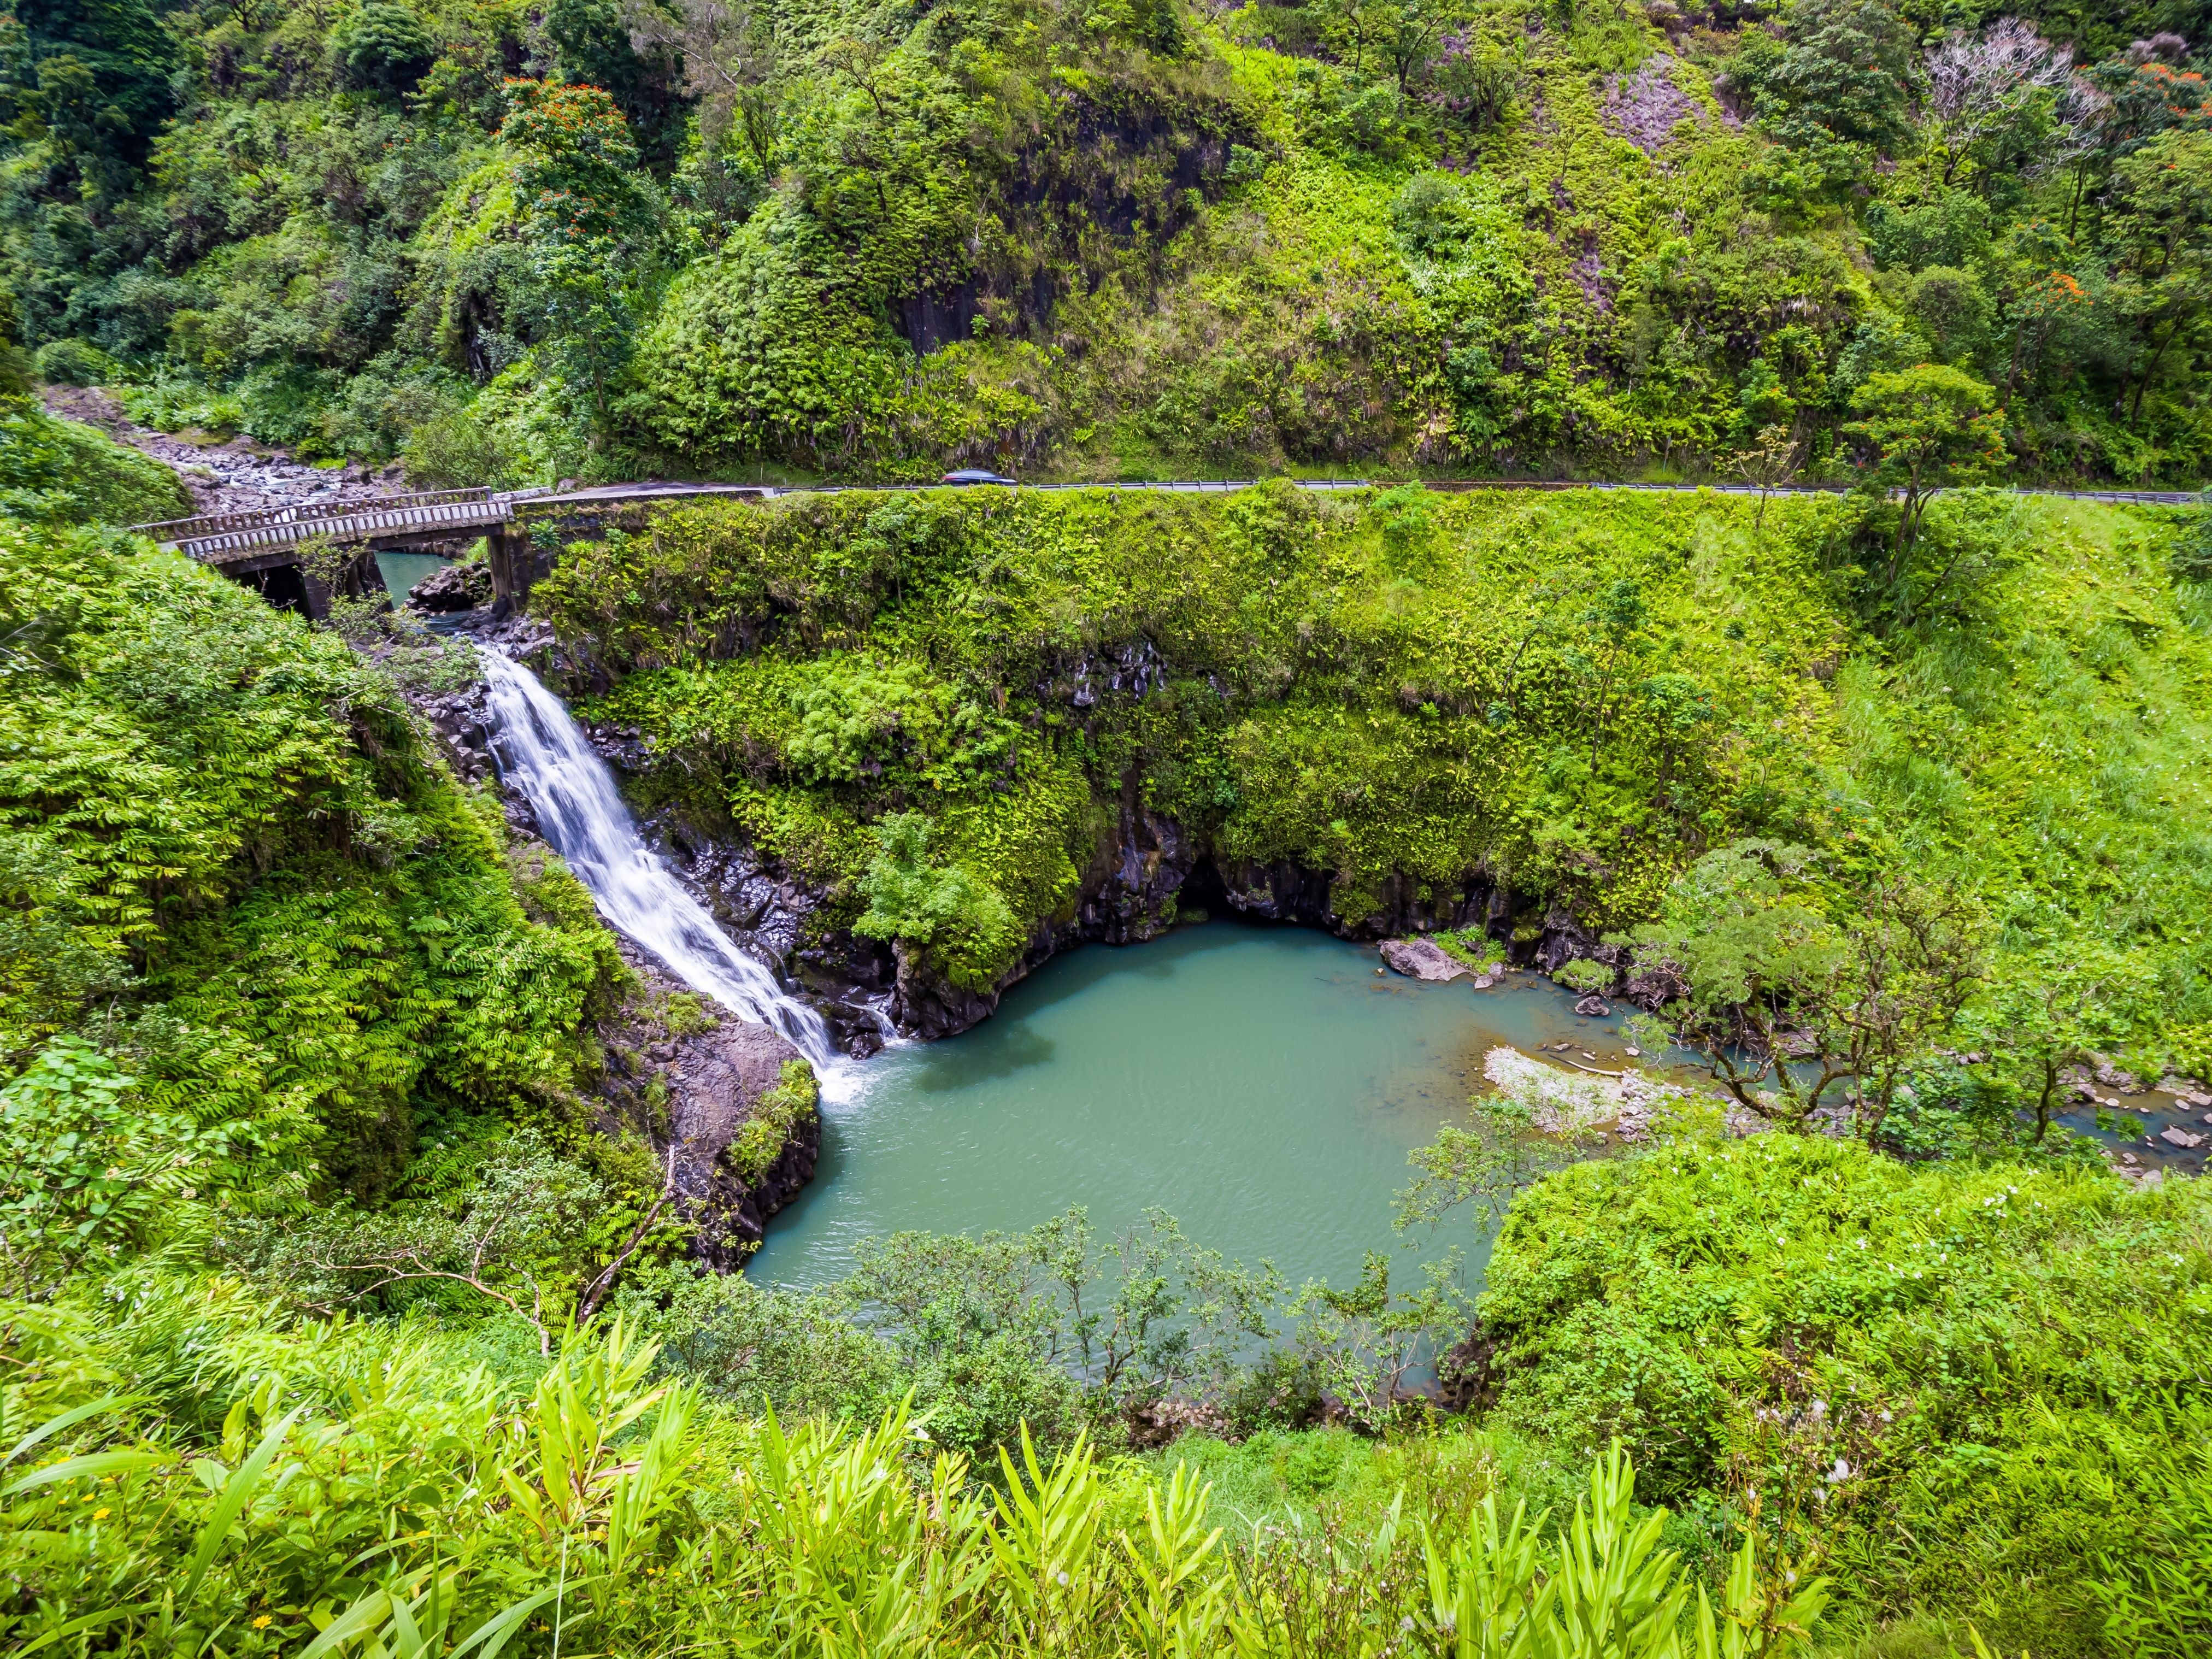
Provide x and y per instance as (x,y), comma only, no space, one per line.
(1206,486)
(241,475)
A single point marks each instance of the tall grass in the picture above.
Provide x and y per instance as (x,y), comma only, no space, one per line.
(358,1499)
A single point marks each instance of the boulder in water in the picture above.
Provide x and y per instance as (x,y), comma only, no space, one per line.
(1420,958)
(455,587)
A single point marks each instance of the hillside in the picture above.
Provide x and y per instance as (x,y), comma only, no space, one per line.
(1478,238)
(319,1157)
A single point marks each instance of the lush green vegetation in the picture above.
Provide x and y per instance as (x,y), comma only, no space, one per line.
(339,1312)
(1485,234)
(228,847)
(60,473)
(910,700)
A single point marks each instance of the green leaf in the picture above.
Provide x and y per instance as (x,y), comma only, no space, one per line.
(78,1626)
(90,1467)
(365,1614)
(496,1630)
(75,1415)
(236,1494)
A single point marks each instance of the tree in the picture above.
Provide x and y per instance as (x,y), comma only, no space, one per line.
(1613,639)
(588,229)
(1842,84)
(1798,1012)
(383,47)
(593,47)
(2054,1008)
(102,71)
(1992,97)
(2162,231)
(1364,1341)
(523,1237)
(1487,1164)
(1766,462)
(1929,426)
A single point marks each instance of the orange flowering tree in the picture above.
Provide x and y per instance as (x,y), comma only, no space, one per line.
(589,227)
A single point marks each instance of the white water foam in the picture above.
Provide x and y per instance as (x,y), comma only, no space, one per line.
(542,751)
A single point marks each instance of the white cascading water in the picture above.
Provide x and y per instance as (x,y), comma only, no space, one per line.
(542,751)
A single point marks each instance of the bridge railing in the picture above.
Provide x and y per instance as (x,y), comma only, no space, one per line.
(370,521)
(216,523)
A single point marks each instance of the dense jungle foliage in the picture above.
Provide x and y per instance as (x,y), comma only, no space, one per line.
(609,237)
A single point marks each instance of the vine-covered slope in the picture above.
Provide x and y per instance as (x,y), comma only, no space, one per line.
(1483,236)
(231,863)
(1571,695)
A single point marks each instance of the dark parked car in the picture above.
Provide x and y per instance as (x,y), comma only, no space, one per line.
(973,475)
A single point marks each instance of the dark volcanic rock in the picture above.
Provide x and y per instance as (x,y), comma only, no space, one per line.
(714,1082)
(924,1005)
(1130,893)
(690,1092)
(452,588)
(848,979)
(1470,1374)
(463,724)
(1287,891)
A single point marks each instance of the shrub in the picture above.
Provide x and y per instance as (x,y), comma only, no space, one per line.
(961,922)
(769,1125)
(1884,1351)
(1586,977)
(74,362)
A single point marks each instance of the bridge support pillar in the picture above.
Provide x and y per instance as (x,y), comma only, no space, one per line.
(314,594)
(508,552)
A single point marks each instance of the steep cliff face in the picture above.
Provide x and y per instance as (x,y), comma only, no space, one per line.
(1131,892)
(692,1080)
(1145,873)
(1284,892)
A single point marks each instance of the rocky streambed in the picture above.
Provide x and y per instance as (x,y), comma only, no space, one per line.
(228,474)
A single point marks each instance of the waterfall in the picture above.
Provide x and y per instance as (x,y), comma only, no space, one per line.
(542,751)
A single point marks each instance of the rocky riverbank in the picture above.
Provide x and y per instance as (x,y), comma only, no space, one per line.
(691,1078)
